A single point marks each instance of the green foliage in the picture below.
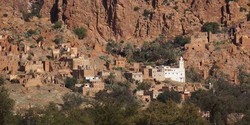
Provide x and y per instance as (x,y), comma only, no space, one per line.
(144,86)
(244,77)
(193,76)
(176,8)
(170,114)
(116,108)
(2,81)
(169,96)
(72,100)
(32,46)
(160,52)
(6,106)
(181,40)
(211,27)
(157,51)
(136,8)
(40,39)
(110,79)
(58,40)
(147,13)
(80,32)
(70,82)
(31,32)
(222,100)
(57,25)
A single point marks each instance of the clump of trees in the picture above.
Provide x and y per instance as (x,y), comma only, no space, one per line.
(192,75)
(117,107)
(169,96)
(211,27)
(223,99)
(80,32)
(159,51)
(181,40)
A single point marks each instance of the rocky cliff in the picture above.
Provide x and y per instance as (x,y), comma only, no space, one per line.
(138,20)
(141,20)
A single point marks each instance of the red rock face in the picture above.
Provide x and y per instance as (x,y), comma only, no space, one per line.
(120,20)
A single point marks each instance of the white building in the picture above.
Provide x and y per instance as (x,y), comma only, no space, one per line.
(175,74)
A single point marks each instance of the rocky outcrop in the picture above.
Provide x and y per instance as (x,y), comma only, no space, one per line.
(140,20)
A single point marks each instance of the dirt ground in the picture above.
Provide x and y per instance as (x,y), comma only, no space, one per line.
(35,96)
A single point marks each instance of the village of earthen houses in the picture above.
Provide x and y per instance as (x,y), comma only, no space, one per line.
(124,62)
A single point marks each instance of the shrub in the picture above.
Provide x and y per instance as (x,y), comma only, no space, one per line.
(80,32)
(57,25)
(176,8)
(136,8)
(181,40)
(147,13)
(193,75)
(70,82)
(211,27)
(40,39)
(32,46)
(168,96)
(30,32)
(1,81)
(58,39)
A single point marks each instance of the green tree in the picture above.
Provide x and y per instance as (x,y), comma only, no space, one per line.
(6,107)
(117,107)
(169,96)
(211,27)
(1,81)
(193,76)
(80,32)
(169,113)
(181,40)
(52,116)
(72,100)
(143,86)
(70,82)
(57,25)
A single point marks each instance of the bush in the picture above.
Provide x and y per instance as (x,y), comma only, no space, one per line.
(136,8)
(58,40)
(80,32)
(147,13)
(169,96)
(57,25)
(193,75)
(70,82)
(31,32)
(211,27)
(40,39)
(181,41)
(1,81)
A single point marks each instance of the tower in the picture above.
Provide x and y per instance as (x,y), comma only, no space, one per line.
(181,63)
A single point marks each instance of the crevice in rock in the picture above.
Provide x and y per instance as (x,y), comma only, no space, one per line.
(64,4)
(54,12)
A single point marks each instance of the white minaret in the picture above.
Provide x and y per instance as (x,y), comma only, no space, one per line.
(181,63)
